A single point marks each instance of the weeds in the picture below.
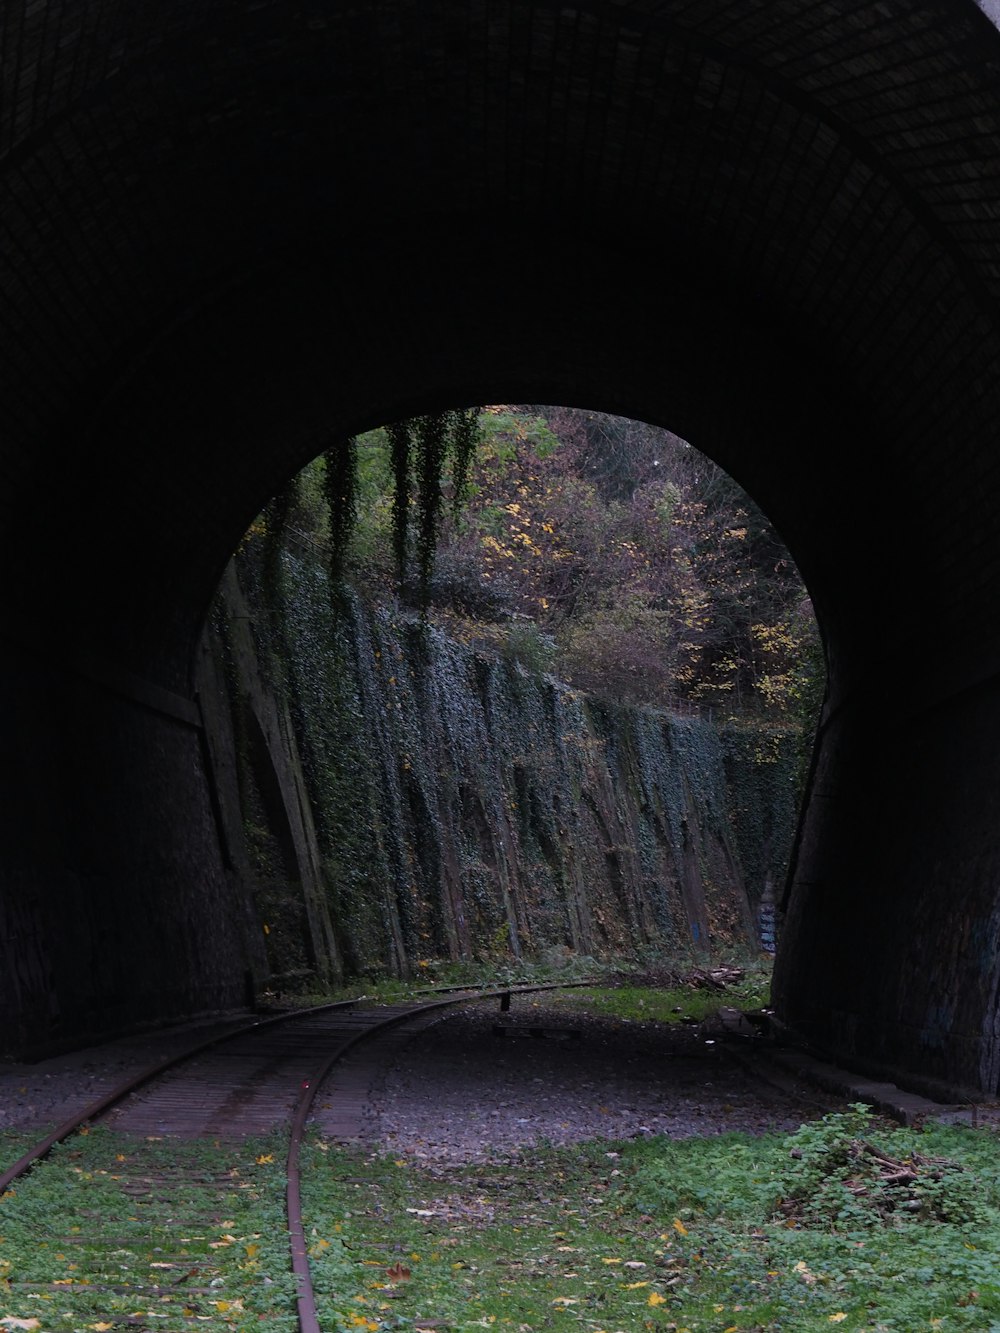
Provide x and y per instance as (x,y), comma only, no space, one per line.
(625,1237)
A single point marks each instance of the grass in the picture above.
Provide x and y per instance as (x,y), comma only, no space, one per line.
(85,1244)
(619,998)
(672,1005)
(14,1144)
(649,1235)
(442,972)
(727,1235)
(850,1223)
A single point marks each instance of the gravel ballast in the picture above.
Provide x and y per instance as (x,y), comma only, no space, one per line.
(462,1092)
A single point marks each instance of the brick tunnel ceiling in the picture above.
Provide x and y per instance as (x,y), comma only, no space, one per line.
(232,231)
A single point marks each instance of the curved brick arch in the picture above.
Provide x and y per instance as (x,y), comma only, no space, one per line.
(229,232)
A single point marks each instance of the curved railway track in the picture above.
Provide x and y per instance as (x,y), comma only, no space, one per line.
(240,1086)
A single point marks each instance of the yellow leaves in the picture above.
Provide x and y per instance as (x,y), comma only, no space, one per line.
(229,1307)
(100,1328)
(610,1261)
(252,1251)
(317,1247)
(656,1299)
(837,1318)
(11,1321)
(566,1300)
(679,1227)
(362,1321)
(264,1159)
(222,1242)
(634,1286)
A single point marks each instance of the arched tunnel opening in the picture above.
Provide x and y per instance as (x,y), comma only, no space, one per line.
(513,684)
(230,241)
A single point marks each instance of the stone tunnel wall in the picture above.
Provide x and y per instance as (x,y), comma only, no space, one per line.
(394,796)
(117,910)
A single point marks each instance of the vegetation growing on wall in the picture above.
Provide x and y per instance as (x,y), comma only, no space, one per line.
(610,550)
(464,801)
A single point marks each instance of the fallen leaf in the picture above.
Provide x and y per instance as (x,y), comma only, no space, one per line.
(838,1318)
(398,1272)
(679,1227)
(656,1299)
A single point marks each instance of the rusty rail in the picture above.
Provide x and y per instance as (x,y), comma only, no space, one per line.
(307,1314)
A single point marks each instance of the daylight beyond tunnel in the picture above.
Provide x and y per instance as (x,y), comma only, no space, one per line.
(234,239)
(517,686)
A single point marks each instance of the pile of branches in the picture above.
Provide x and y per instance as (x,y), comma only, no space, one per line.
(699,978)
(714,978)
(917,1185)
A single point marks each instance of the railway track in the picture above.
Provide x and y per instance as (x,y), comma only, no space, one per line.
(144,1227)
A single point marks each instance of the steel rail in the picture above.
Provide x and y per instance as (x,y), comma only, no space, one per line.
(305,1295)
(38,1151)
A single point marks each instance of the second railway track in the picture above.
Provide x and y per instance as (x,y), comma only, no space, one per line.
(165,1209)
(137,1225)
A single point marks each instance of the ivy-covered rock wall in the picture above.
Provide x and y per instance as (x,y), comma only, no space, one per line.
(445,803)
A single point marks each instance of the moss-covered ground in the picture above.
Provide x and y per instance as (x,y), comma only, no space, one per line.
(849,1223)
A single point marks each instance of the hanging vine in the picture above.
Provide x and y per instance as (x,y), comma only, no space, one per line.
(340,488)
(399,445)
(431,444)
(419,451)
(277,514)
(464,436)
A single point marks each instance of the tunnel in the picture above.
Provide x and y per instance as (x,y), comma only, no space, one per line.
(235,231)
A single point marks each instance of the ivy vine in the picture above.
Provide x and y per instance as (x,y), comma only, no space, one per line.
(340,488)
(420,449)
(277,515)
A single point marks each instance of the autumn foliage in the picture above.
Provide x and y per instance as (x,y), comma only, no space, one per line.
(607,551)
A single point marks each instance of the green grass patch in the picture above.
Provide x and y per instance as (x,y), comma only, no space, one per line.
(673,1004)
(112,1232)
(674,991)
(850,1223)
(726,1235)
(430,972)
(14,1144)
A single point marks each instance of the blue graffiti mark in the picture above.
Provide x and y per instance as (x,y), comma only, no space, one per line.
(936,1031)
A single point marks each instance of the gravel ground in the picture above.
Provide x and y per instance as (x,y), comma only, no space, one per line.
(476,1085)
(461,1092)
(49,1091)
